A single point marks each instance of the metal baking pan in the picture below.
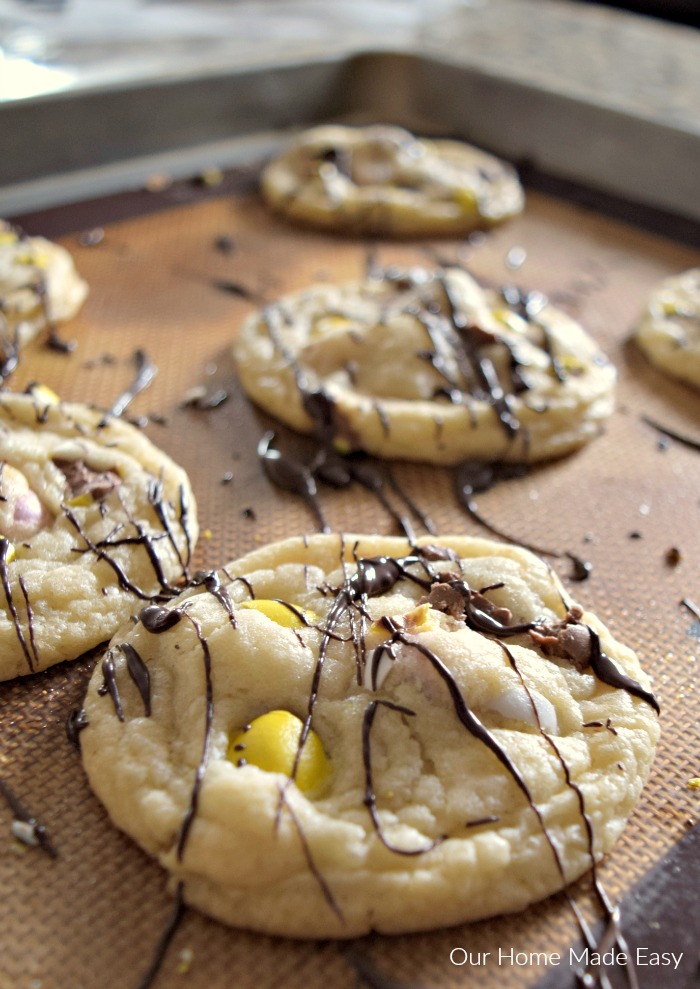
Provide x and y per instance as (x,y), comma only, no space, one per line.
(93,916)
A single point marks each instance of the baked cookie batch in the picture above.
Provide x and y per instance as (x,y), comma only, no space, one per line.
(340,733)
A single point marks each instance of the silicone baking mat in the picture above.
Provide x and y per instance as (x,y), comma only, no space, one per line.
(176,281)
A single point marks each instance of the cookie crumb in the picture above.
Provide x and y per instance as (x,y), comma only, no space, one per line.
(184,962)
(91,238)
(673,556)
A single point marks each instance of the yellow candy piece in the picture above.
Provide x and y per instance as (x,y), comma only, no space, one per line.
(81,500)
(7,237)
(341,445)
(37,259)
(43,394)
(271,743)
(465,199)
(571,364)
(280,613)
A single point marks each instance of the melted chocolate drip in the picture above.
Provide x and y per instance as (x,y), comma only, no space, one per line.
(109,684)
(291,475)
(212,583)
(138,671)
(145,373)
(58,344)
(370,800)
(313,868)
(5,579)
(234,288)
(155,498)
(166,937)
(75,723)
(473,476)
(157,619)
(100,551)
(208,719)
(688,441)
(605,670)
(22,814)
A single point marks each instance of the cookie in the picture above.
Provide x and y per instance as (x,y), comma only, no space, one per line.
(428,366)
(669,330)
(95,522)
(383,180)
(457,710)
(39,286)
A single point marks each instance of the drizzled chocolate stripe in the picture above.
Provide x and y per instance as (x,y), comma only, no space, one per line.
(208,719)
(612,929)
(310,861)
(212,583)
(370,800)
(22,814)
(146,371)
(688,441)
(99,551)
(169,931)
(605,670)
(110,685)
(138,671)
(4,577)
(155,498)
(30,620)
(157,619)
(474,476)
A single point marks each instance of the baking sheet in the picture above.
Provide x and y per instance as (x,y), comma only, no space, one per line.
(92,917)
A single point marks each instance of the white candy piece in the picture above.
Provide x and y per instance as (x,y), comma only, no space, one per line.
(22,514)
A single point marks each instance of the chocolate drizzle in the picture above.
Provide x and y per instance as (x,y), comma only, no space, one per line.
(455,342)
(370,800)
(75,723)
(26,817)
(4,578)
(157,619)
(605,670)
(109,684)
(145,373)
(138,671)
(173,922)
(473,476)
(688,441)
(188,819)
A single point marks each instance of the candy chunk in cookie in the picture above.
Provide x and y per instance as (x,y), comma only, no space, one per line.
(428,366)
(95,522)
(39,287)
(669,329)
(415,751)
(384,180)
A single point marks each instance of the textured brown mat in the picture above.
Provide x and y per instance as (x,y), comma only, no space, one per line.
(91,917)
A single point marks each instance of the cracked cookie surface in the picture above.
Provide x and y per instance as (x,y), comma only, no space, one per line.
(457,709)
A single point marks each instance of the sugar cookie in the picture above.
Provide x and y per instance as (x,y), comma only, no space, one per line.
(383,180)
(95,522)
(456,709)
